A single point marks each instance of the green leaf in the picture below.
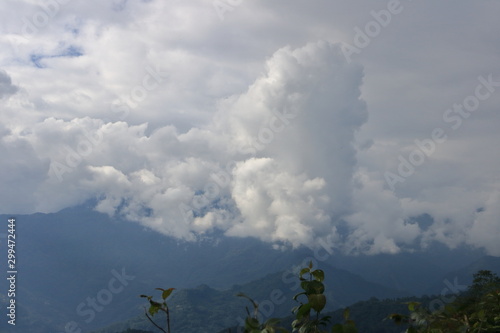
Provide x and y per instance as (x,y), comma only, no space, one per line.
(396,317)
(303,310)
(350,328)
(338,328)
(412,306)
(154,303)
(272,321)
(154,308)
(252,323)
(319,275)
(315,287)
(317,301)
(304,271)
(481,315)
(450,309)
(167,293)
(296,296)
(312,287)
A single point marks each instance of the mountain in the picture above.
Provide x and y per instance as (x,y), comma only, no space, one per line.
(370,316)
(204,309)
(456,280)
(79,268)
(412,272)
(67,259)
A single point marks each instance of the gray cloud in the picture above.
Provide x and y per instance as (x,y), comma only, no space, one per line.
(6,86)
(305,108)
(250,125)
(22,172)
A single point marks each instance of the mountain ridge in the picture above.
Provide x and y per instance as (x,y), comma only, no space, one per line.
(204,309)
(64,258)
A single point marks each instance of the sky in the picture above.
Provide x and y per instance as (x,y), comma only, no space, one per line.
(294,122)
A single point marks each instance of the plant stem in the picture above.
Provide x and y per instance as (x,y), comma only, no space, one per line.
(151,320)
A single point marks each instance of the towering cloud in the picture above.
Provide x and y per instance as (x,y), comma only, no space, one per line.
(188,122)
(276,162)
(298,123)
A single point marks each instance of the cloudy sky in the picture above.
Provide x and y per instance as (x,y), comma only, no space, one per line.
(291,121)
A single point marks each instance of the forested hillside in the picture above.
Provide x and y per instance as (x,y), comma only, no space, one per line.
(474,310)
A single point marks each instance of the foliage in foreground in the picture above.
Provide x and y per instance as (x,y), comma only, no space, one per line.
(155,307)
(308,317)
(477,310)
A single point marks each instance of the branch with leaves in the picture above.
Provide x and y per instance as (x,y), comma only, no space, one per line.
(252,323)
(308,320)
(313,290)
(475,311)
(155,307)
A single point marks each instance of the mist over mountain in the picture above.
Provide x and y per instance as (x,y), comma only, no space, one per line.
(77,254)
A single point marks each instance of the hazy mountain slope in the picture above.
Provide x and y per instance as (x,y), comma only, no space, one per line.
(413,272)
(455,280)
(70,256)
(369,316)
(205,309)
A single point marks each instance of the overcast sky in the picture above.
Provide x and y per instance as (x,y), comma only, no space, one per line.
(290,121)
